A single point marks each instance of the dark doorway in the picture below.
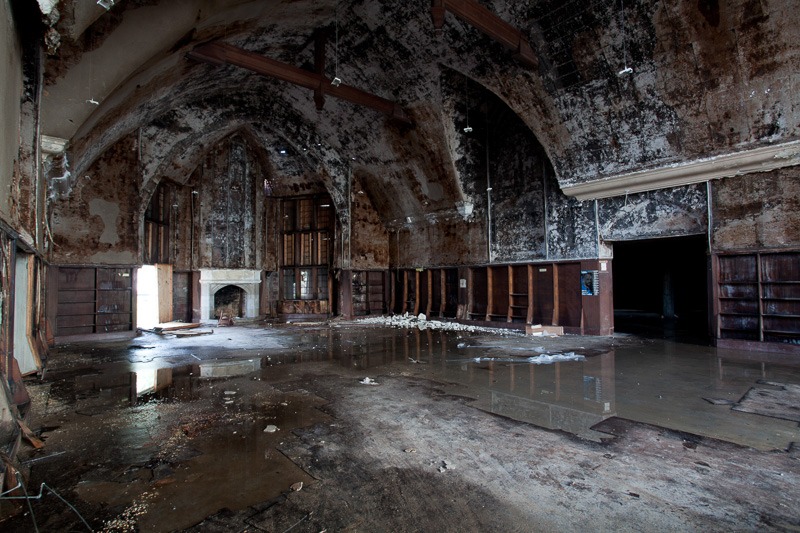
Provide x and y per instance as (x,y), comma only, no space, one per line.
(661,288)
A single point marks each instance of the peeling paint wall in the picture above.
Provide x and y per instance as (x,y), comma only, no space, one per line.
(231,206)
(99,222)
(370,239)
(757,211)
(441,243)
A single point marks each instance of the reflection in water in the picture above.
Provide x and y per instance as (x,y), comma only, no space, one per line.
(665,384)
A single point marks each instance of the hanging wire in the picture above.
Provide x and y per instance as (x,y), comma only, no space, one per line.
(467,128)
(336,45)
(626,69)
(336,79)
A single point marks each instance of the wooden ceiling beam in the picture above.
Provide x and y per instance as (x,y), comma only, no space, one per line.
(226,54)
(490,24)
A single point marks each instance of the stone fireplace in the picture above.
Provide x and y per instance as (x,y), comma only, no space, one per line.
(213,280)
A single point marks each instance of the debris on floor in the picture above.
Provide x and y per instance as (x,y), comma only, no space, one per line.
(543,359)
(225,321)
(175,326)
(422,323)
(719,401)
(193,333)
(368,381)
(539,330)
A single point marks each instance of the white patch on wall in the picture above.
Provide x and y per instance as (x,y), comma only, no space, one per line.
(108,213)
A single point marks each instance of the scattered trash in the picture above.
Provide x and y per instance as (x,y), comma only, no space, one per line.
(297,487)
(461,345)
(410,450)
(271,428)
(545,359)
(445,466)
(368,381)
(633,494)
(230,392)
(224,321)
(538,330)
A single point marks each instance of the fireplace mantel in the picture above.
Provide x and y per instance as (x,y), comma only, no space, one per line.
(212,280)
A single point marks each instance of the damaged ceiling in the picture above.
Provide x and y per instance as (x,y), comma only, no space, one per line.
(616,89)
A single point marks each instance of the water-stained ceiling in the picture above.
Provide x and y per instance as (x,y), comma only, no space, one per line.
(617,88)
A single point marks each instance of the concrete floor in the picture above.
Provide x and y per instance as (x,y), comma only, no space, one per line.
(164,433)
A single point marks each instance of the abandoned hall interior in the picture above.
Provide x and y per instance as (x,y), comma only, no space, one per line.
(424,265)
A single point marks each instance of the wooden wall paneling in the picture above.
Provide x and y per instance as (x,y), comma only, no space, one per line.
(450,292)
(780,297)
(429,276)
(569,295)
(376,298)
(498,295)
(405,309)
(518,293)
(393,290)
(555,320)
(442,292)
(489,293)
(422,291)
(511,303)
(739,314)
(478,290)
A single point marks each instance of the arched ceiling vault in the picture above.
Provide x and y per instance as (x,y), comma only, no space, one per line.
(127,69)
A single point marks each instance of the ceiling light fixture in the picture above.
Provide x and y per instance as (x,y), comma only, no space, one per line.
(105,4)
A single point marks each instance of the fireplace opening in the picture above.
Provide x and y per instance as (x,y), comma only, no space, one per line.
(229,301)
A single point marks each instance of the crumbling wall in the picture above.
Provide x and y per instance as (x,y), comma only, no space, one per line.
(672,212)
(757,211)
(370,239)
(98,222)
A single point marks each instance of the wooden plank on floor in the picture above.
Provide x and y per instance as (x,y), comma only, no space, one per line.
(175,326)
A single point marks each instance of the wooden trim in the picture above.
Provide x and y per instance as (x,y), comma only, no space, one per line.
(529,320)
(405,292)
(442,291)
(489,293)
(429,303)
(510,313)
(758,346)
(556,298)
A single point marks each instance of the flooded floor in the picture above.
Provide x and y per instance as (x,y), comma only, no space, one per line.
(351,427)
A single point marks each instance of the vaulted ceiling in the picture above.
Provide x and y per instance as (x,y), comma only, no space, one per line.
(618,87)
